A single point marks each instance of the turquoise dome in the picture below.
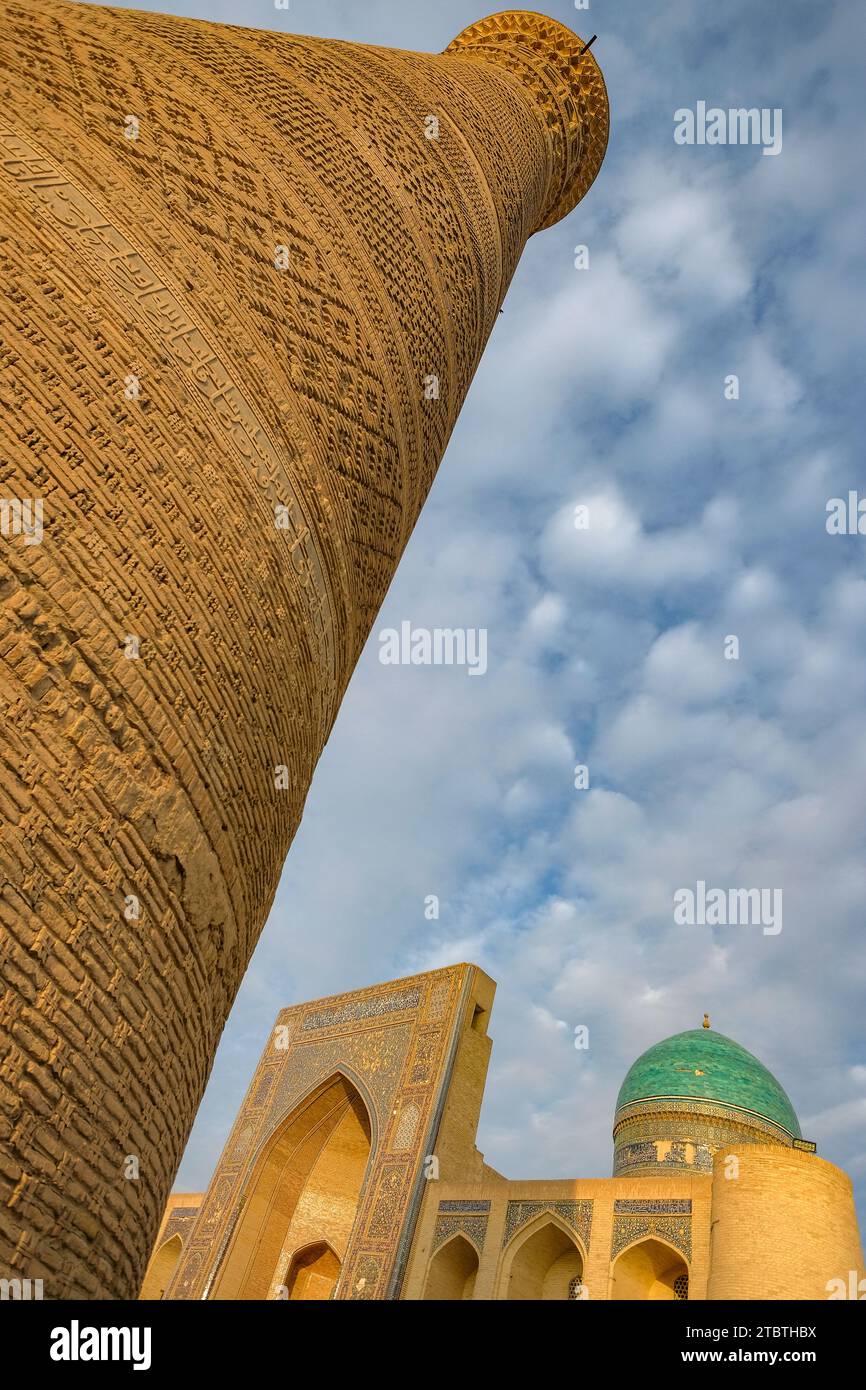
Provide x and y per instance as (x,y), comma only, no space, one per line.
(704,1065)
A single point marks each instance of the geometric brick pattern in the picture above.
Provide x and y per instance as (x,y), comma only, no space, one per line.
(244,295)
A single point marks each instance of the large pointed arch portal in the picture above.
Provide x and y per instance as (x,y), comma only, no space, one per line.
(300,1200)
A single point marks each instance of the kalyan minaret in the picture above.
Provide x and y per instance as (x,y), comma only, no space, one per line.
(247,278)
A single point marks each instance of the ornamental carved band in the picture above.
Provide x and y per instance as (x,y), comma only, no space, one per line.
(246,281)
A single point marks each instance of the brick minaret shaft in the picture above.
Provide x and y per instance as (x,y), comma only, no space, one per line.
(246,281)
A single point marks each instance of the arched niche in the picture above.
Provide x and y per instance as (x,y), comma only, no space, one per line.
(650,1270)
(543,1263)
(452,1271)
(303,1189)
(313,1273)
(161,1269)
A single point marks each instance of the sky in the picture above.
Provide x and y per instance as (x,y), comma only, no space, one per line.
(604,387)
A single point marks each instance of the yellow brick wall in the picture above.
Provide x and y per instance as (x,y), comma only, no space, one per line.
(169,1243)
(491,1279)
(459,1160)
(782,1228)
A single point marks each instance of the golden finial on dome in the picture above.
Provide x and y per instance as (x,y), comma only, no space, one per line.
(706,1022)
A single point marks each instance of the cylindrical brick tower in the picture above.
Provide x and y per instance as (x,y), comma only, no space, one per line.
(783,1226)
(246,281)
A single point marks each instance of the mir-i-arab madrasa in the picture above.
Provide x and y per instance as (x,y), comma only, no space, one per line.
(352,1172)
(247,279)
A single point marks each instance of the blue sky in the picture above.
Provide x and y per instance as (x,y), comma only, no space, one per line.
(605,387)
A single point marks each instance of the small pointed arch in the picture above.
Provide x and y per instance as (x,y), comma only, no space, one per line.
(544,1262)
(302,1186)
(545,1217)
(161,1269)
(650,1269)
(461,1235)
(313,1272)
(452,1271)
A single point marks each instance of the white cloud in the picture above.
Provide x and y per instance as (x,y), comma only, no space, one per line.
(614,548)
(678,232)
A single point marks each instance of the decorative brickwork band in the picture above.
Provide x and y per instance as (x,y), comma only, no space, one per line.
(465,1206)
(672,1206)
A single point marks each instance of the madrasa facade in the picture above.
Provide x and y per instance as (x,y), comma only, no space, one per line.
(351,1172)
